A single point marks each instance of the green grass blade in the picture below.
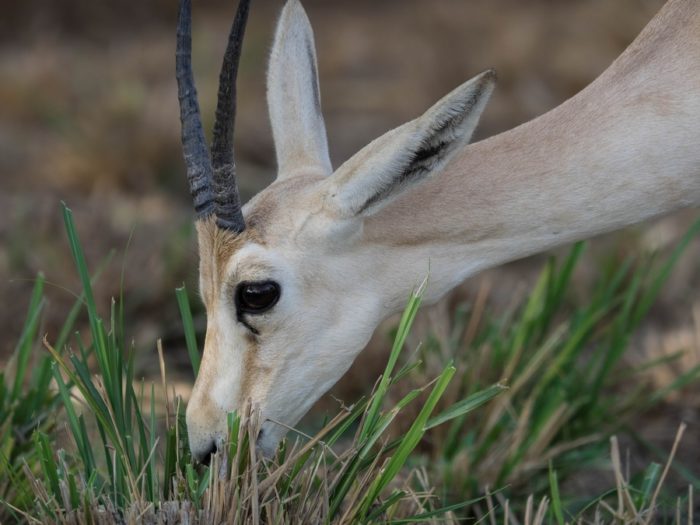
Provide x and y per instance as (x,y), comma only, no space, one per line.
(648,298)
(556,497)
(405,324)
(49,467)
(427,516)
(681,381)
(466,405)
(188,326)
(651,477)
(378,512)
(24,346)
(410,439)
(96,328)
(74,312)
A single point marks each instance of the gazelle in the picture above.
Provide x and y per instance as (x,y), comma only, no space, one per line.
(295,281)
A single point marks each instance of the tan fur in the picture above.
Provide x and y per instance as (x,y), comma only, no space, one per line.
(215,249)
(609,157)
(348,248)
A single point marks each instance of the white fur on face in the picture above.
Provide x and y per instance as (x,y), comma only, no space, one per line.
(305,343)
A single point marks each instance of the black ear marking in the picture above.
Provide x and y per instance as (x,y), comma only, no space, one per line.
(438,143)
(413,152)
(314,76)
(428,152)
(421,162)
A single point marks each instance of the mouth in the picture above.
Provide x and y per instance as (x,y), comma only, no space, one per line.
(266,443)
(262,443)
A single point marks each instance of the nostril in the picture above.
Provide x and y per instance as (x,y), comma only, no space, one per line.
(206,457)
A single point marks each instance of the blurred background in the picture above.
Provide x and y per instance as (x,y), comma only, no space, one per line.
(88,115)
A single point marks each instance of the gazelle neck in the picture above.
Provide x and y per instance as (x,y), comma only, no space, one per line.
(625,149)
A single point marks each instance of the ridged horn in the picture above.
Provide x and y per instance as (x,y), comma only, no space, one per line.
(194,145)
(227,200)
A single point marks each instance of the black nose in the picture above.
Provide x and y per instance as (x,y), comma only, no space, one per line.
(206,457)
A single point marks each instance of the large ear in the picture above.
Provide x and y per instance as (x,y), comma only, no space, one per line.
(294,99)
(409,154)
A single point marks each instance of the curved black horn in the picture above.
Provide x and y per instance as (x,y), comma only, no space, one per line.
(227,201)
(194,145)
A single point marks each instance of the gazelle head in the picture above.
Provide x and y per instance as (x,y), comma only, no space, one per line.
(292,286)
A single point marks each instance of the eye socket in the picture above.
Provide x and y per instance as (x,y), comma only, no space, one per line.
(257,297)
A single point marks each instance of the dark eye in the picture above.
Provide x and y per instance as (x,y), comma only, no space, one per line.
(257,297)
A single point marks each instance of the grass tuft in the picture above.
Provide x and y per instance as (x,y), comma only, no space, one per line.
(443,437)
